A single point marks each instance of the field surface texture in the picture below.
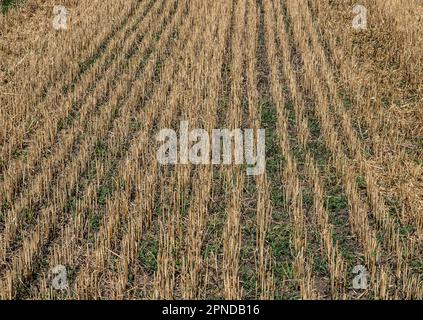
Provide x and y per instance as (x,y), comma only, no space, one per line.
(88,212)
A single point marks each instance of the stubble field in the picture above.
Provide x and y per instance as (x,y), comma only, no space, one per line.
(83,195)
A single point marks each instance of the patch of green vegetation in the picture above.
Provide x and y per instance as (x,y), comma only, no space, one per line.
(385,102)
(320,265)
(292,117)
(273,155)
(314,126)
(336,203)
(279,240)
(268,115)
(349,256)
(273,165)
(83,67)
(279,234)
(211,249)
(148,254)
(91,171)
(308,197)
(7,4)
(320,153)
(299,155)
(95,221)
(103,193)
(158,68)
(90,61)
(417,266)
(361,182)
(119,184)
(248,280)
(17,153)
(380,236)
(277,197)
(157,35)
(71,205)
(406,230)
(100,149)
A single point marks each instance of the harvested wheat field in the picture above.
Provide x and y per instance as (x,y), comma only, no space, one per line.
(327,93)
